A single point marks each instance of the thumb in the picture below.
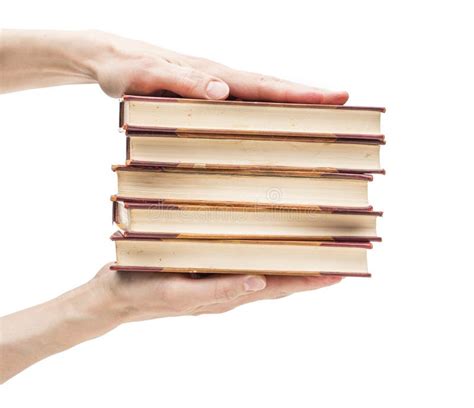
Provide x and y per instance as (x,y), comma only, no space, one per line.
(225,288)
(191,83)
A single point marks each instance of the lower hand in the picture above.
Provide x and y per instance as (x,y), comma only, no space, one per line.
(136,296)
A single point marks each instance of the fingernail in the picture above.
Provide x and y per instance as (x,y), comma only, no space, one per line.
(254,283)
(217,90)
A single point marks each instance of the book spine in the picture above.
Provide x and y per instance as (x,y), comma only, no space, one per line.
(115,212)
(127,149)
(121,113)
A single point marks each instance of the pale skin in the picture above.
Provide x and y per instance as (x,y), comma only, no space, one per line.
(35,59)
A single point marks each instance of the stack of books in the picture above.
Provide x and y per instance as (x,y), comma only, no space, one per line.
(246,187)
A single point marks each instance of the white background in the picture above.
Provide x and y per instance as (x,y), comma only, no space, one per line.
(402,338)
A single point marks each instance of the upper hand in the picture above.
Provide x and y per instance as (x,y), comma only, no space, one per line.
(123,66)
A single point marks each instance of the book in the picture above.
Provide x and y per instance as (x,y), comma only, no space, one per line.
(228,152)
(257,118)
(194,186)
(235,256)
(208,221)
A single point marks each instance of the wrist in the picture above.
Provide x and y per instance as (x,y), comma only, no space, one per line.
(94,48)
(113,294)
(92,305)
(83,53)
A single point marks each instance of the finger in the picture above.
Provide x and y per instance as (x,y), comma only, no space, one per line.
(251,86)
(277,287)
(189,82)
(221,288)
(264,88)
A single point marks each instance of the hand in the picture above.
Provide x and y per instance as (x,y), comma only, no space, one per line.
(147,295)
(123,66)
(40,58)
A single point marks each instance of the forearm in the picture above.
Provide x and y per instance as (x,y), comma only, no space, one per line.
(42,58)
(32,334)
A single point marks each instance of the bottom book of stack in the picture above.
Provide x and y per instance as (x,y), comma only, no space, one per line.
(153,254)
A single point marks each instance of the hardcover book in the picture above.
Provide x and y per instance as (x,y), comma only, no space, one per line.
(252,118)
(207,221)
(194,186)
(241,257)
(265,153)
